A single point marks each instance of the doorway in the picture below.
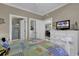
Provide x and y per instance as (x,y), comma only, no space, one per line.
(48,28)
(18,28)
(32,29)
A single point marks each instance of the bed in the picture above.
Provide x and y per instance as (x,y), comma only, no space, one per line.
(36,48)
(45,48)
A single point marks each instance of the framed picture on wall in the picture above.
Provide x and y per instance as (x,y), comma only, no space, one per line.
(2,21)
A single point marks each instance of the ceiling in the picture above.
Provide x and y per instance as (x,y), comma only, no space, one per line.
(37,8)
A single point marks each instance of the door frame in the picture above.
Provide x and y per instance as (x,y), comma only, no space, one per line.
(49,21)
(10,25)
(32,19)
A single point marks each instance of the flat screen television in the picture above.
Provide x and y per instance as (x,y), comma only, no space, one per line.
(63,25)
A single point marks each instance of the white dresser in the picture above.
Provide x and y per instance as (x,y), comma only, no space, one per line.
(68,39)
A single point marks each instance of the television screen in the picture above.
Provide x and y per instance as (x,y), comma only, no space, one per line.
(63,25)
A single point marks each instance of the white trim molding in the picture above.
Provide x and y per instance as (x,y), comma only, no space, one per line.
(41,14)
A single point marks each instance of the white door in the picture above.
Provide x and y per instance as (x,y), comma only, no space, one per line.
(23,29)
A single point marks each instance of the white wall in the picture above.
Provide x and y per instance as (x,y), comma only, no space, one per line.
(2,31)
(40,29)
